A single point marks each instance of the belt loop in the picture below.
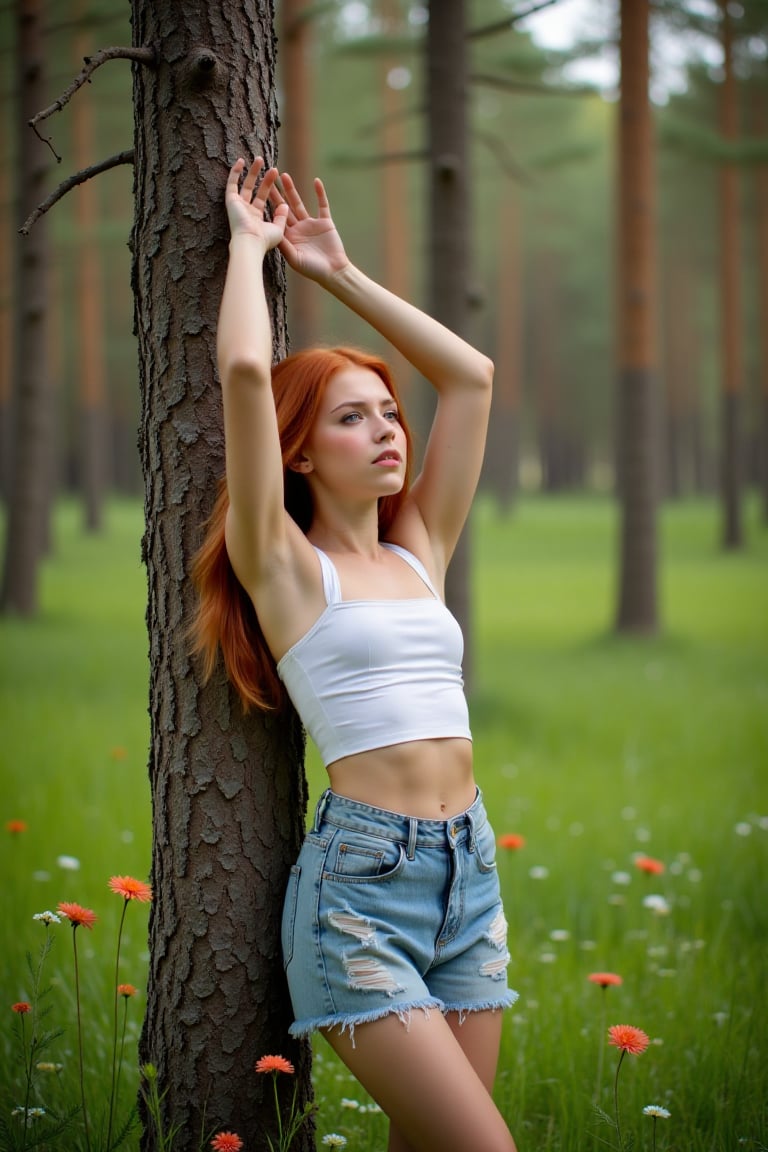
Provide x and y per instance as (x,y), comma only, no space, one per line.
(322,804)
(471,823)
(413,826)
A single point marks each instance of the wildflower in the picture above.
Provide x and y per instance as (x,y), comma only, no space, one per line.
(126,990)
(559,935)
(511,840)
(657,904)
(538,872)
(48,1066)
(118,752)
(333,1140)
(649,865)
(628,1039)
(47,917)
(15,827)
(77,915)
(22,1007)
(226,1142)
(68,863)
(346,1103)
(623,878)
(131,889)
(658,1113)
(274,1064)
(605,979)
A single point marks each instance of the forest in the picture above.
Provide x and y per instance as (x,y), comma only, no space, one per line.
(593,215)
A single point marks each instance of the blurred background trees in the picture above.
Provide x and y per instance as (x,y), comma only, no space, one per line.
(542,230)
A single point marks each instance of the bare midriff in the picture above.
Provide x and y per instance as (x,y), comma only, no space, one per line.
(429,779)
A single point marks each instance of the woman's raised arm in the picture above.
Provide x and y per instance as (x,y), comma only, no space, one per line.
(256,517)
(461,375)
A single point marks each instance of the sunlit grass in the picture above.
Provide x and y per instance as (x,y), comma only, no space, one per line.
(593,748)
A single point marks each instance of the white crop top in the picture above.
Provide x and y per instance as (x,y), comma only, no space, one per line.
(370,673)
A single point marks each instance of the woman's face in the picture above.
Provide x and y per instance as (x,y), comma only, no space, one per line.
(357,446)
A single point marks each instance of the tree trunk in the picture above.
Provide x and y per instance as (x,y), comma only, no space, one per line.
(29,494)
(449,213)
(761,192)
(732,367)
(296,153)
(228,792)
(503,452)
(637,433)
(90,320)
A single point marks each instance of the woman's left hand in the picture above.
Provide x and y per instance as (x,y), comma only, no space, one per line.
(311,245)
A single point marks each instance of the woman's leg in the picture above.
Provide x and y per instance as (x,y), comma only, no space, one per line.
(425,1082)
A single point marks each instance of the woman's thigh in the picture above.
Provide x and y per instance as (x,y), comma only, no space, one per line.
(425,1081)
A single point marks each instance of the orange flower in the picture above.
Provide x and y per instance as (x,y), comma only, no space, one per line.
(605,979)
(131,889)
(650,866)
(22,1007)
(16,826)
(511,840)
(126,990)
(77,915)
(118,752)
(628,1039)
(274,1064)
(226,1142)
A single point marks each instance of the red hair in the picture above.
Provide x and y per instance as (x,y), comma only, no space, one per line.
(225,617)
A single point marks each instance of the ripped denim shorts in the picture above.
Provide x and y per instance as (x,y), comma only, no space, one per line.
(386,913)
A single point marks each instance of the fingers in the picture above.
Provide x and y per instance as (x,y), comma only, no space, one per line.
(297,210)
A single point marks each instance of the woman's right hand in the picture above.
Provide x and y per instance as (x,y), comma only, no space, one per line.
(311,245)
(246,203)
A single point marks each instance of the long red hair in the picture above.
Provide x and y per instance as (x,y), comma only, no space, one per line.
(225,618)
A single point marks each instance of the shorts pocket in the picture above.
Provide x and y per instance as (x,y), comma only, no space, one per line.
(355,858)
(288,927)
(485,849)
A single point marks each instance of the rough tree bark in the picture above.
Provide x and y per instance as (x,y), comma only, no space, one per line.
(637,433)
(228,793)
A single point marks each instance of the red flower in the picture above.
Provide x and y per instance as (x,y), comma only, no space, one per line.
(274,1064)
(16,826)
(22,1007)
(131,889)
(226,1142)
(650,866)
(511,840)
(126,990)
(605,979)
(628,1039)
(77,915)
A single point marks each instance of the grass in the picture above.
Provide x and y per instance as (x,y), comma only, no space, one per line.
(594,748)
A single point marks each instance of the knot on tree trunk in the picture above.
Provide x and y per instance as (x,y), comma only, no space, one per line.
(203,69)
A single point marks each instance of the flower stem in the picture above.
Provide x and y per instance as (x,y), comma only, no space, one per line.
(113,1091)
(603,1013)
(80,1039)
(279,1117)
(28,1076)
(616,1097)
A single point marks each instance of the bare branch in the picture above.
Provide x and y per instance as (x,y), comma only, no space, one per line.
(140,55)
(509,21)
(80,177)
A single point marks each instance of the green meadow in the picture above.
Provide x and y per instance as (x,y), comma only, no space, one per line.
(595,750)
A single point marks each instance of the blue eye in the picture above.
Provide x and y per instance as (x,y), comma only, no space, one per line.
(351,417)
(393,414)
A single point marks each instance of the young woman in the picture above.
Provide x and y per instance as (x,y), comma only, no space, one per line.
(322,576)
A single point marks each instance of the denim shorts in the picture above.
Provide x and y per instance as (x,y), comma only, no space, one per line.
(387,913)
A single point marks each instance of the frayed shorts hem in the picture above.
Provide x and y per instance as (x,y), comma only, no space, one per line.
(347,1023)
